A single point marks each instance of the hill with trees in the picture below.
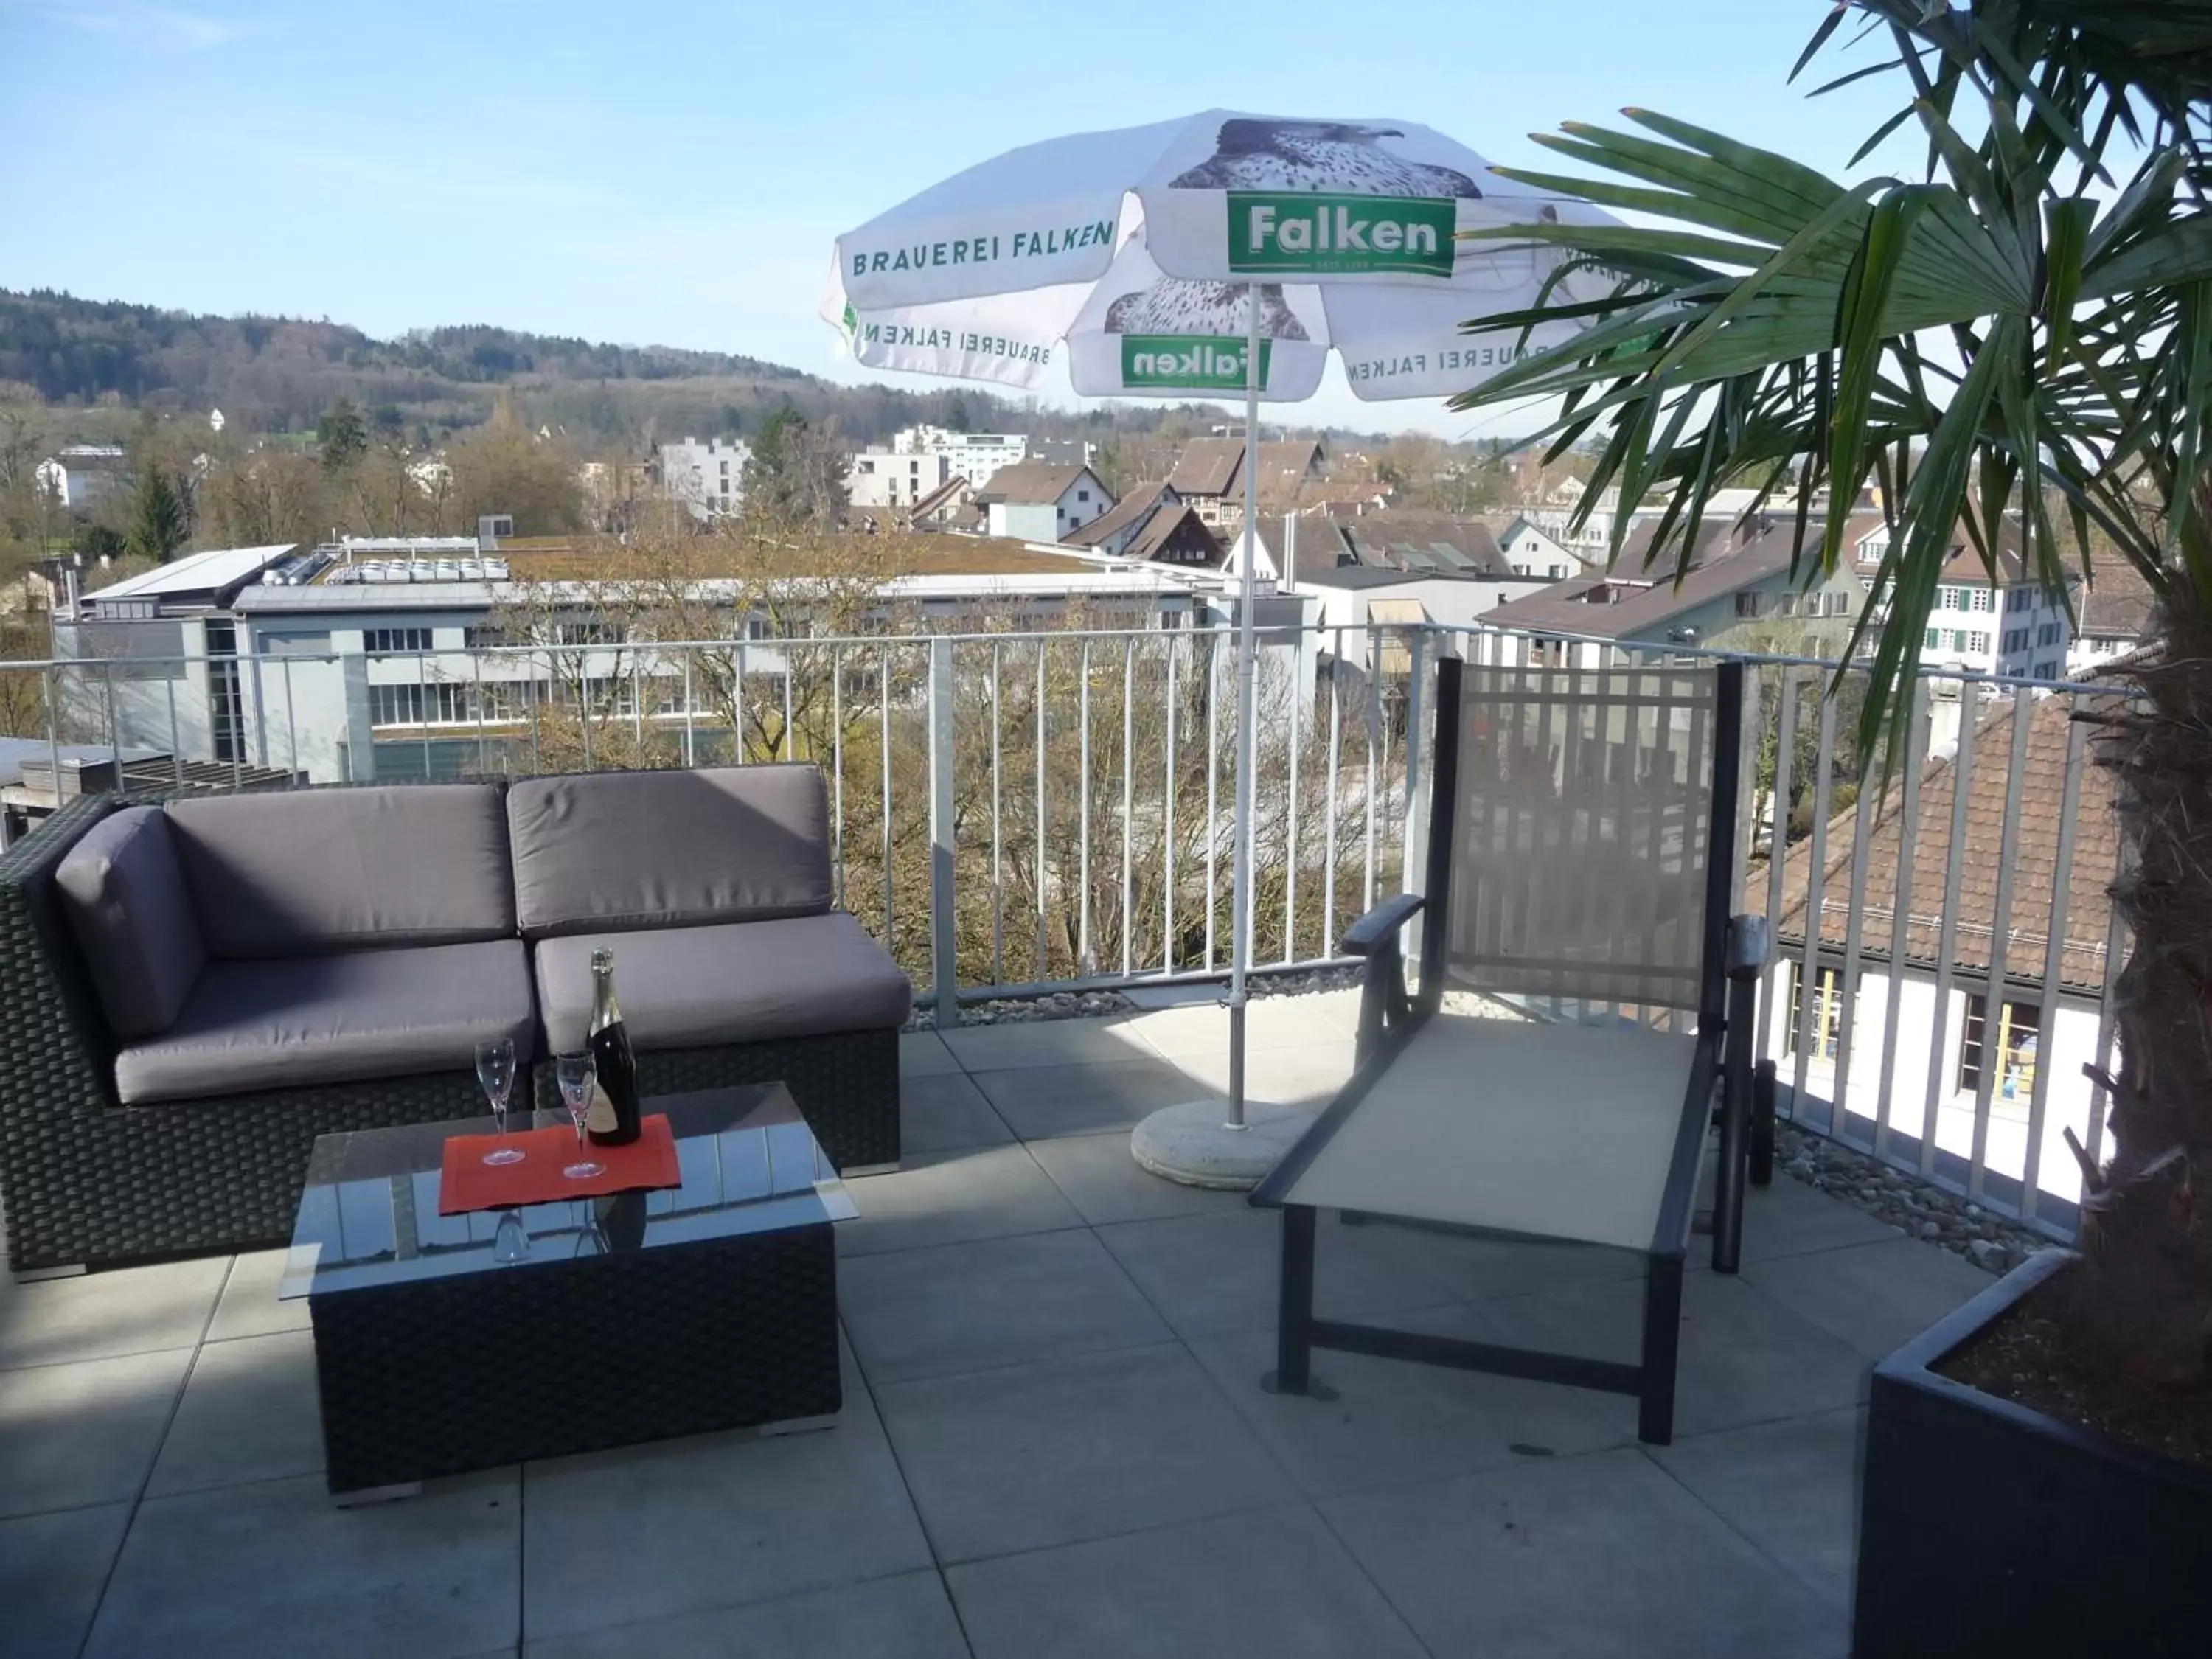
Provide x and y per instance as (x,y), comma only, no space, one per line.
(282,374)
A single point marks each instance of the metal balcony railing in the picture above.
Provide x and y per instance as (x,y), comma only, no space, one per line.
(1018,811)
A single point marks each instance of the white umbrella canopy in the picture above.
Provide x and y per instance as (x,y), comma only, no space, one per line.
(1224,252)
(1133,253)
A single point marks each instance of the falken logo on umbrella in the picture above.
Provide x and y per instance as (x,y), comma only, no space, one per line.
(1200,361)
(1310,232)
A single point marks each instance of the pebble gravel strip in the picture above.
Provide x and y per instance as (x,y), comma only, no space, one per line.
(1905,1201)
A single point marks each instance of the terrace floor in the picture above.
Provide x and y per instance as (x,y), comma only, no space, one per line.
(1053,1440)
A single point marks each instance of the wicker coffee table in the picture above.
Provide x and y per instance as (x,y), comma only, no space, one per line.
(444,1344)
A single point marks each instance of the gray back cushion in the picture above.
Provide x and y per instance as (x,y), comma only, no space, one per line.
(124,897)
(669,849)
(305,873)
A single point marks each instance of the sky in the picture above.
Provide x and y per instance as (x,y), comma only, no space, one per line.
(675,173)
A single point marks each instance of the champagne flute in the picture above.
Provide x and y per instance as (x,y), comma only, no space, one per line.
(495,1071)
(578,1077)
(510,1242)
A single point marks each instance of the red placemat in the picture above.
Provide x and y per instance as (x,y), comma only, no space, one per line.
(469,1183)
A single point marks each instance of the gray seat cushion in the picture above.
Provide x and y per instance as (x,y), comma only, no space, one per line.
(689,987)
(314,871)
(621,850)
(248,1026)
(125,899)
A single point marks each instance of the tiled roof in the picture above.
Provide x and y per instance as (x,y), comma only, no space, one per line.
(2117,602)
(1131,509)
(1032,483)
(1408,539)
(2034,864)
(1209,466)
(1571,607)
(1163,525)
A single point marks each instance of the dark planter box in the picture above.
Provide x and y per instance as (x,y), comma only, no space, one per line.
(1985,1527)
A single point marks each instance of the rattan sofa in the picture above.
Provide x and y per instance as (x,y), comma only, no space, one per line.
(326,959)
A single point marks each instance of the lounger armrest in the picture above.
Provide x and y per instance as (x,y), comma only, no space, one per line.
(1747,943)
(1381,924)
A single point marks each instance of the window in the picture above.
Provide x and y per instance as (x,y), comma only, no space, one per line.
(2015,1048)
(1976,641)
(443,702)
(1950,598)
(1747,605)
(2047,634)
(1935,641)
(1982,598)
(396,638)
(1826,1030)
(2047,671)
(1559,573)
(1839,604)
(1082,494)
(587,632)
(484,635)
(1786,605)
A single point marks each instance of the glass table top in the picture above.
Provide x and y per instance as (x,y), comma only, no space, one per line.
(368,1216)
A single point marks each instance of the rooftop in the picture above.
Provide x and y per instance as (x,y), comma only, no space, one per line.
(197,573)
(1729,559)
(1053,1439)
(1212,466)
(2034,864)
(1030,482)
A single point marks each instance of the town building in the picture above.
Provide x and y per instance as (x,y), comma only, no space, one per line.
(880,479)
(1752,585)
(2008,625)
(2009,1029)
(1039,501)
(2114,608)
(1532,550)
(80,476)
(1210,475)
(974,456)
(1114,531)
(708,478)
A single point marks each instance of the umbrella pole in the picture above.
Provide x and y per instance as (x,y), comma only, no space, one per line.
(1197,1142)
(1240,944)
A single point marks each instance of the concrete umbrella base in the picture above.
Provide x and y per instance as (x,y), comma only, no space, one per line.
(1195,1145)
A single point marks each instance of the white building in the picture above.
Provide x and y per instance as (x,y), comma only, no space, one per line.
(1034,501)
(1531,550)
(2006,1032)
(974,456)
(884,478)
(81,475)
(2013,628)
(708,478)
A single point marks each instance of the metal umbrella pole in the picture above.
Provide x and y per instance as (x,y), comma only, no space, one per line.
(1240,885)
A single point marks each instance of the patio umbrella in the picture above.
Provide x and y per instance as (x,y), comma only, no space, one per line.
(1223,252)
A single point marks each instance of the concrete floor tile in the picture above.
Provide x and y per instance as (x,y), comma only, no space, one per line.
(104,1315)
(906,1617)
(1268,1582)
(950,1198)
(1102,1180)
(714,1521)
(1032,1042)
(946,1113)
(923,1054)
(1744,1359)
(996,1302)
(1308,1074)
(1791,1488)
(1600,1556)
(1483,1269)
(1789,1218)
(277,1568)
(249,1306)
(250,1412)
(1393,1420)
(86,1433)
(1093,1097)
(1030,1457)
(1269,1022)
(1215,1273)
(1875,1297)
(52,1568)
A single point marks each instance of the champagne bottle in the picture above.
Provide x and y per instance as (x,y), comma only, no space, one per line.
(613,1121)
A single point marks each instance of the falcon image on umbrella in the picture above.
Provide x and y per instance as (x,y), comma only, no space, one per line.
(1331,156)
(1177,304)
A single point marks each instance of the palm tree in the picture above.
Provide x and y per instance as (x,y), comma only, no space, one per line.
(2023,328)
